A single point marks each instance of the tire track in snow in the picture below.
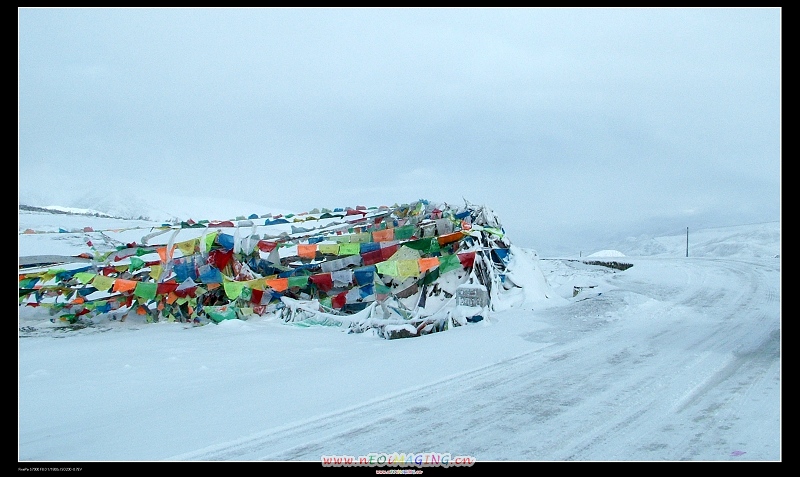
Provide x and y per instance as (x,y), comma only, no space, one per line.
(713,357)
(302,441)
(591,390)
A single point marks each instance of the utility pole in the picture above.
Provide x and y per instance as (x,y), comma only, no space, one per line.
(687,241)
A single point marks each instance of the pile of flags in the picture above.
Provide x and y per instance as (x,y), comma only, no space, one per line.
(338,262)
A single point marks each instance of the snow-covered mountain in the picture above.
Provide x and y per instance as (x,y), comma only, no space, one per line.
(761,240)
(155,207)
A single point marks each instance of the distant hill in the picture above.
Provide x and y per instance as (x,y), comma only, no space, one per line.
(67,211)
(761,240)
(155,207)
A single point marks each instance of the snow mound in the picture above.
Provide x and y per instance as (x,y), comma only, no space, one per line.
(607,253)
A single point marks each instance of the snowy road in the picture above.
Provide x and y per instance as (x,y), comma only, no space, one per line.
(674,359)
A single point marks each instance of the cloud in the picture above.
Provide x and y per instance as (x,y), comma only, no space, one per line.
(558,118)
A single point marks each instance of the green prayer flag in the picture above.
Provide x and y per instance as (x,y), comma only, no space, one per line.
(246,294)
(448,263)
(425,245)
(136,264)
(389,267)
(494,231)
(146,290)
(404,233)
(325,301)
(85,277)
(220,313)
(232,289)
(349,248)
(30,282)
(301,281)
(431,276)
(210,240)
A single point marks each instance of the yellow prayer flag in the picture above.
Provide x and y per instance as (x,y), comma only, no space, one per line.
(187,247)
(102,282)
(155,271)
(407,268)
(329,248)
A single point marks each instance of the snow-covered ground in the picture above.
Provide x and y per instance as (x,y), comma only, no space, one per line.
(672,359)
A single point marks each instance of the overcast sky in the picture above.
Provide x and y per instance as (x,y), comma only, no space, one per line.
(572,124)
